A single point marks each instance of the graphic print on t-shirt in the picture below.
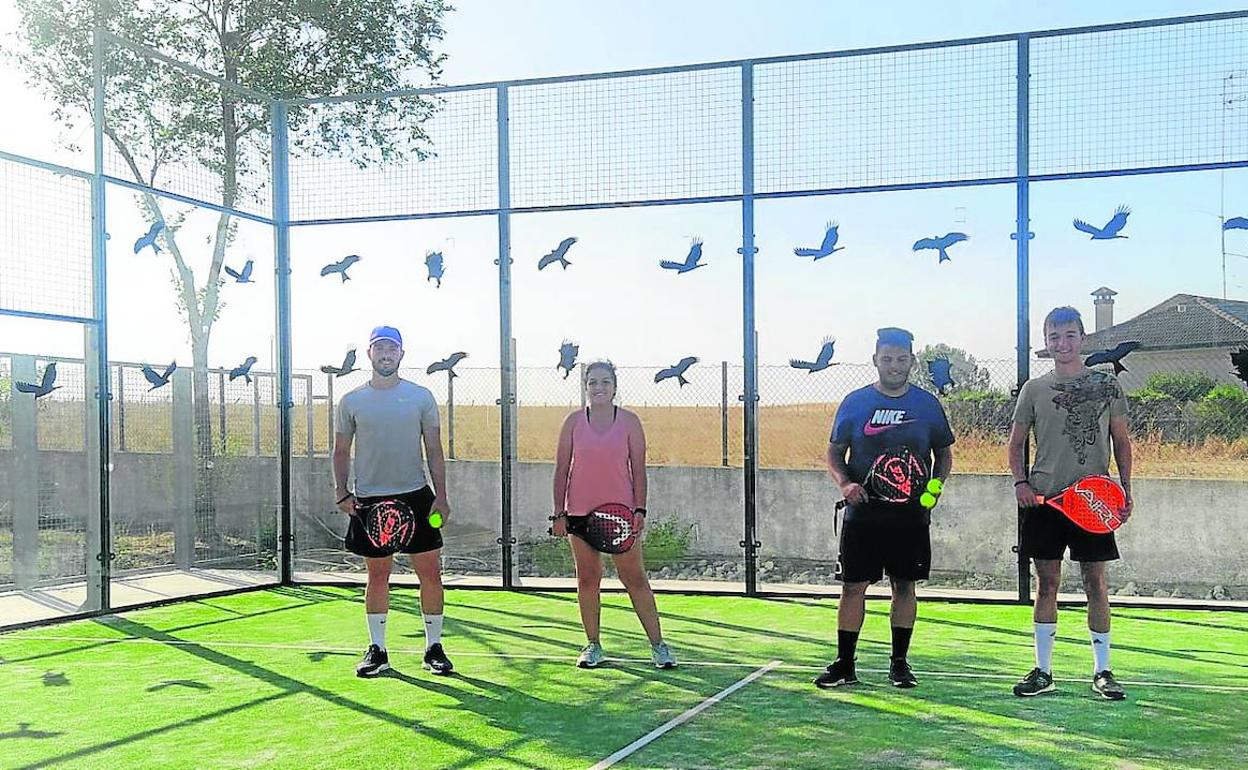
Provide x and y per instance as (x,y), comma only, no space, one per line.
(1084,400)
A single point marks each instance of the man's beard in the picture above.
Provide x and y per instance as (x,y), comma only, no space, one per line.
(385,370)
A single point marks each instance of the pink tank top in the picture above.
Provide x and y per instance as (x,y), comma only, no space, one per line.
(600,472)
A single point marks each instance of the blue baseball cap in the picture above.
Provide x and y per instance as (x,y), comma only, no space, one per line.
(385,333)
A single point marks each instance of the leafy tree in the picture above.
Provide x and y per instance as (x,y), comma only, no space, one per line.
(161,121)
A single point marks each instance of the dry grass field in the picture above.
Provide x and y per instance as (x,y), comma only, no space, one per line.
(791,436)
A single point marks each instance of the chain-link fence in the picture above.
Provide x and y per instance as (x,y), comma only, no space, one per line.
(1187,411)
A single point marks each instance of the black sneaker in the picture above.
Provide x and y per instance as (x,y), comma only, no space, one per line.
(900,674)
(375,661)
(437,662)
(841,672)
(1037,682)
(1108,687)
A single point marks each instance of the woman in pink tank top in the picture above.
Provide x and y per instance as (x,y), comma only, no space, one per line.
(601,459)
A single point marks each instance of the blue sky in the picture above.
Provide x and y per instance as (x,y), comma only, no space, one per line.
(615,301)
(490,40)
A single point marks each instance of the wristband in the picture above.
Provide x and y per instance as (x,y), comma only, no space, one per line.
(343,499)
(557,516)
(642,511)
(1020,483)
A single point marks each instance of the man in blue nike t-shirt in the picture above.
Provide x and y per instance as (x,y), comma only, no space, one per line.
(897,438)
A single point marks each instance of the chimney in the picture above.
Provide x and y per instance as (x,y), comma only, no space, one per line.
(1104,302)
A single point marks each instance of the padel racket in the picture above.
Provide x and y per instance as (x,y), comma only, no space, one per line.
(897,476)
(1093,503)
(609,528)
(389,524)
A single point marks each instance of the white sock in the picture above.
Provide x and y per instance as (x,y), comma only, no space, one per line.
(1046,635)
(377,628)
(1100,652)
(433,630)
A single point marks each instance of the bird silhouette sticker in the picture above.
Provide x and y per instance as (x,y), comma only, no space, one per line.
(1112,228)
(243,370)
(941,372)
(241,276)
(1239,359)
(1236,223)
(46,386)
(567,357)
(433,262)
(821,362)
(150,238)
(341,266)
(159,379)
(560,255)
(830,238)
(693,260)
(677,371)
(940,244)
(348,366)
(447,364)
(1114,356)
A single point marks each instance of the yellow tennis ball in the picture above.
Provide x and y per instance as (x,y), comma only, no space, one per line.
(435,520)
(935,486)
(927,500)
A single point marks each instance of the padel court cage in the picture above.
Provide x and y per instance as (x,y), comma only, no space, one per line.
(118,493)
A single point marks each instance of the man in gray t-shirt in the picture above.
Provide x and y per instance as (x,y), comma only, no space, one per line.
(389,419)
(1078,416)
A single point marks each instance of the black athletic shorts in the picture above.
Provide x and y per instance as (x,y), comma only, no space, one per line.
(1047,533)
(427,538)
(876,543)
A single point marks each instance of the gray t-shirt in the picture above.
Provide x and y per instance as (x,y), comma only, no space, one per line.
(1070,417)
(388,426)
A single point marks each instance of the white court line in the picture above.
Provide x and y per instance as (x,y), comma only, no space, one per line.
(685,717)
(571,656)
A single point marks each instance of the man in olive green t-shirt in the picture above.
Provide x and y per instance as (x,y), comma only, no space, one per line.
(1077,415)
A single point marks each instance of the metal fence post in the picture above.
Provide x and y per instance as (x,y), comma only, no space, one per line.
(309,416)
(1022,236)
(329,411)
(25,486)
(450,414)
(506,344)
(723,413)
(121,408)
(100,530)
(749,332)
(256,446)
(221,404)
(285,361)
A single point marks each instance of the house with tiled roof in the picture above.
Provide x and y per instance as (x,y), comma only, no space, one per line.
(1185,333)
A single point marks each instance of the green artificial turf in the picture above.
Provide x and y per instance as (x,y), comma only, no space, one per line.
(266,680)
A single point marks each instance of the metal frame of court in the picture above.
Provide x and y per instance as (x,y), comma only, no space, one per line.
(282,223)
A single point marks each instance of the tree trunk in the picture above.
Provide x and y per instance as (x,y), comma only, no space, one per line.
(206,535)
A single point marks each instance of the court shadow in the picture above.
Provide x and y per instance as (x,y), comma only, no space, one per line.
(55,679)
(23,731)
(189,684)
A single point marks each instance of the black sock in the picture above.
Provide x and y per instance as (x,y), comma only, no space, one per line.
(846,645)
(901,642)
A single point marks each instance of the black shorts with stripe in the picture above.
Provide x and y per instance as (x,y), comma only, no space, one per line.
(427,538)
